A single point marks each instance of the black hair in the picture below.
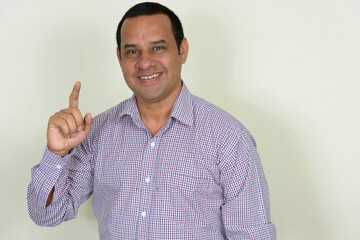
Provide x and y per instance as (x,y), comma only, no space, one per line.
(152,8)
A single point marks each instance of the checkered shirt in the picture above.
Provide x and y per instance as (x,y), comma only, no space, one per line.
(199,177)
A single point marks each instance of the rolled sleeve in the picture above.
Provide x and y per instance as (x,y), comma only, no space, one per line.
(246,212)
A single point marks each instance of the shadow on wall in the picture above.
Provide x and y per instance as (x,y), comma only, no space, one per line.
(209,73)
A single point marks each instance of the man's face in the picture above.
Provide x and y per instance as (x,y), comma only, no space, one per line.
(150,60)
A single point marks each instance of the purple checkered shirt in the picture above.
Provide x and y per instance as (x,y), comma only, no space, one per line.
(200,177)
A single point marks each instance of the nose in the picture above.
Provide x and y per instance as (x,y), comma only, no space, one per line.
(145,61)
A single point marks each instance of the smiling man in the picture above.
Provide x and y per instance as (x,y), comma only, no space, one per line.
(151,63)
(163,164)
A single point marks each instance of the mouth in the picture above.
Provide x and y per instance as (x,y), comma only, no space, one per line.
(150,77)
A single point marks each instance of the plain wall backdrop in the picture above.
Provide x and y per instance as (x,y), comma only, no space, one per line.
(288,70)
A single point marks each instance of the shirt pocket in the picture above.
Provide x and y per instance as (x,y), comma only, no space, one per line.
(181,182)
(180,194)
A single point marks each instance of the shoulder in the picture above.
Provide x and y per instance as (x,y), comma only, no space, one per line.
(214,116)
(107,119)
(102,123)
(227,132)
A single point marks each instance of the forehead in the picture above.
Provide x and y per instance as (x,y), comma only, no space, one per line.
(146,26)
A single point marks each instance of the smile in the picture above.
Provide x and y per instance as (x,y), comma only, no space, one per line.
(155,75)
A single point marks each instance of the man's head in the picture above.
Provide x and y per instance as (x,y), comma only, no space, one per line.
(149,55)
(151,8)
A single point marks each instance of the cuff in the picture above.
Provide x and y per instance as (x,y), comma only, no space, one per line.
(46,174)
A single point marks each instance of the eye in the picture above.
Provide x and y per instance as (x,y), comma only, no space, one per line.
(131,52)
(159,49)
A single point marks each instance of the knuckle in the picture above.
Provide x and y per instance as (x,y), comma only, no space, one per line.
(61,121)
(55,118)
(74,110)
(69,119)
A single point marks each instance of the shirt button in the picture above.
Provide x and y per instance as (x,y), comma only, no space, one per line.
(147,180)
(143,214)
(152,144)
(58,166)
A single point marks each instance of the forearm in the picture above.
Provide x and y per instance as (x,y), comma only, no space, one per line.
(49,173)
(50,197)
(246,215)
(246,212)
(51,180)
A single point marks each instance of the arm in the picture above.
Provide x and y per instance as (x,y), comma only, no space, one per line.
(62,181)
(71,180)
(246,212)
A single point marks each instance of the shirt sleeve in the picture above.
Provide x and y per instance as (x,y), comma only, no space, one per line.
(246,212)
(72,180)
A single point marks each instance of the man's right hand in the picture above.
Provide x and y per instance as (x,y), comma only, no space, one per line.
(67,128)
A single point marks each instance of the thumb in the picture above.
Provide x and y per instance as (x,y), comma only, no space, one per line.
(87,123)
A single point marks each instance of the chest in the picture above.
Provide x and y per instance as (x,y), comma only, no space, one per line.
(128,157)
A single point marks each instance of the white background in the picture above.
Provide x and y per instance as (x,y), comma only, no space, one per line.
(289,70)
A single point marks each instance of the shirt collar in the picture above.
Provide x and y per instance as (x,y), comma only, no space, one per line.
(182,109)
(131,109)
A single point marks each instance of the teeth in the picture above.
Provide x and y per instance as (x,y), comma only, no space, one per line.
(150,77)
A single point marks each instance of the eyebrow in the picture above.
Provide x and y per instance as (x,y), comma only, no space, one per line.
(158,42)
(152,43)
(129,46)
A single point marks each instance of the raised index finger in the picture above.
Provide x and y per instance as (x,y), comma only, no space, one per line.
(74,96)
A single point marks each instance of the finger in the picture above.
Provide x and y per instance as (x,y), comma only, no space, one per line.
(88,123)
(76,114)
(69,120)
(74,96)
(59,123)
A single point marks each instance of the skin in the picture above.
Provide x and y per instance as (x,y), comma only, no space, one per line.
(67,129)
(151,65)
(148,47)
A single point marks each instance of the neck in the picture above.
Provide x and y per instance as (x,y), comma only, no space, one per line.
(156,114)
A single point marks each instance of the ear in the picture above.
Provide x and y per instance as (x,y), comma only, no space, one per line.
(184,49)
(118,56)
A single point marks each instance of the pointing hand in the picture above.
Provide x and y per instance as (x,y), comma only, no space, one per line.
(67,128)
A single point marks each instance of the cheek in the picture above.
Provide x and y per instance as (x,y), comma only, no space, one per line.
(171,64)
(127,69)
(176,66)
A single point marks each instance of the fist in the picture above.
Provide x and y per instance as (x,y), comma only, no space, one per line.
(67,128)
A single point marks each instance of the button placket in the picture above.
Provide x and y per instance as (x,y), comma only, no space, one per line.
(147,171)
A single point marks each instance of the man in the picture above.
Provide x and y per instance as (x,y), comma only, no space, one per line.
(163,164)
